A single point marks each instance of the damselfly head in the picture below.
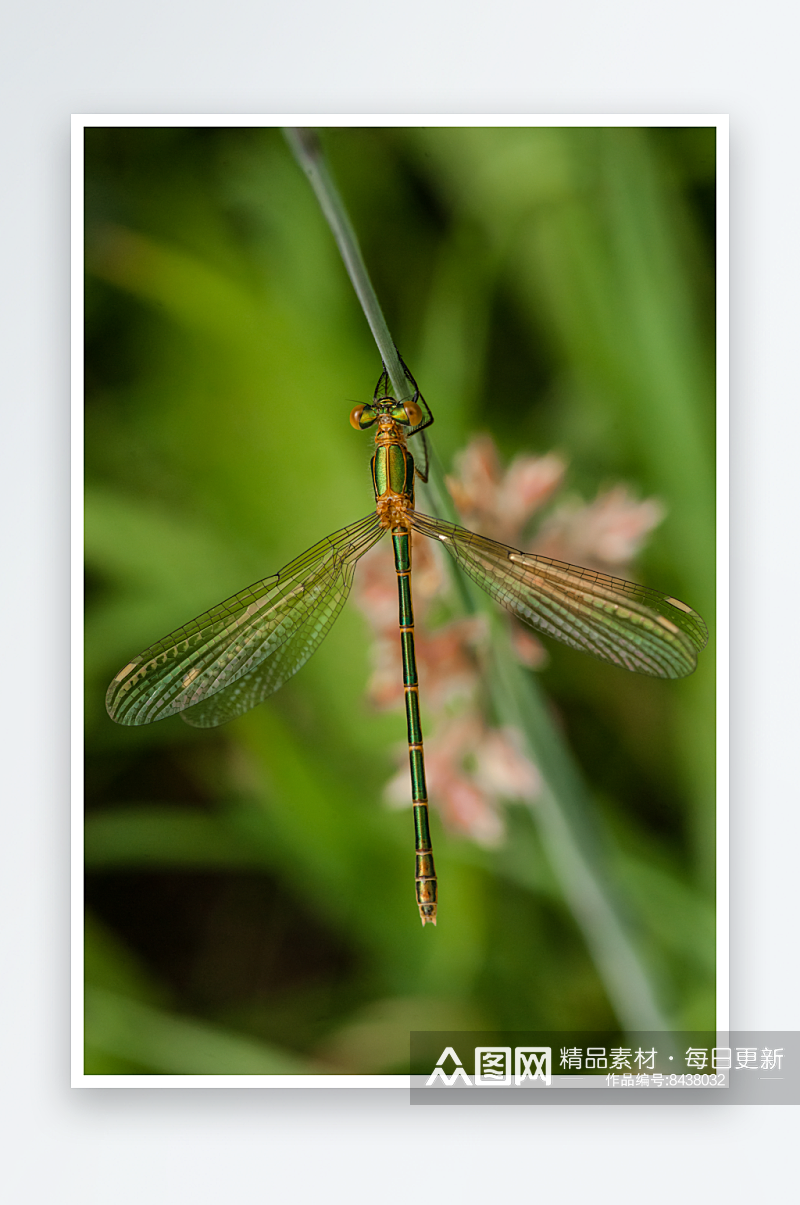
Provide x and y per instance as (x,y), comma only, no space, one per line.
(409,413)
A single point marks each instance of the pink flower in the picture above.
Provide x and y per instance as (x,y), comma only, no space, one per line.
(445,655)
(604,534)
(472,768)
(499,504)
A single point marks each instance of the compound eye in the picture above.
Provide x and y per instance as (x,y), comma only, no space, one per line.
(414,412)
(362,417)
(407,413)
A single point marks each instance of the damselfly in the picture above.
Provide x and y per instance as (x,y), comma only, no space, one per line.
(232,657)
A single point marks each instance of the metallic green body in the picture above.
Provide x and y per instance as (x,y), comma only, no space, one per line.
(393,480)
(393,471)
(425,872)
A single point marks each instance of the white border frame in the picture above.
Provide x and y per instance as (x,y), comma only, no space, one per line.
(79,123)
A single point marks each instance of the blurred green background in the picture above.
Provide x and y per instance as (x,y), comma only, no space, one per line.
(250,903)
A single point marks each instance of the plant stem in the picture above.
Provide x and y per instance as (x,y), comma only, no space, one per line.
(306,148)
(575,841)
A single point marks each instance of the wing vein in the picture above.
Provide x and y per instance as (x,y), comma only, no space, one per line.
(608,617)
(232,641)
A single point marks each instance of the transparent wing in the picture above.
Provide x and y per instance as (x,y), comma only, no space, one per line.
(617,621)
(245,648)
(251,689)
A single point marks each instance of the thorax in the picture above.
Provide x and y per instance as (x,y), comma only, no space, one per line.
(392,474)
